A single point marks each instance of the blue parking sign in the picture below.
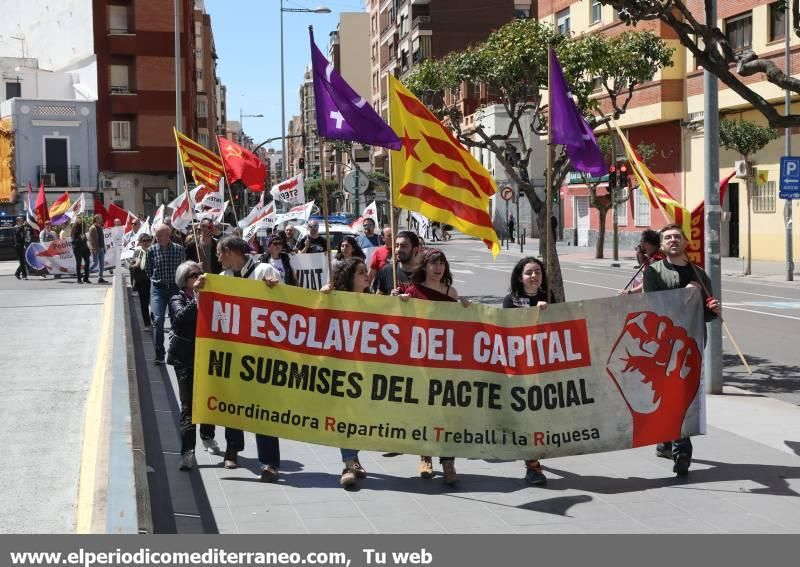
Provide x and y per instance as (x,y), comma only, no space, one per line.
(790,178)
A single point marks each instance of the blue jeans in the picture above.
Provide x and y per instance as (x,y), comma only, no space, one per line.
(99,260)
(349,454)
(159,302)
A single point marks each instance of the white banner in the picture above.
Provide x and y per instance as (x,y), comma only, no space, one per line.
(56,257)
(371,212)
(422,223)
(265,219)
(296,213)
(290,191)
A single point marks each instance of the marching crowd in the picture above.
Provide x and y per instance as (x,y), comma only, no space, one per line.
(168,276)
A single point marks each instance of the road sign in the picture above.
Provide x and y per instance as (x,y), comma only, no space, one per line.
(790,178)
(507,193)
(380,195)
(349,182)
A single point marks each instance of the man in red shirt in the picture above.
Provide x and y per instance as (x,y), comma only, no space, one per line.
(381,255)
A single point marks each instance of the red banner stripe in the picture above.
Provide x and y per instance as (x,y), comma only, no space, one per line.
(451,178)
(456,208)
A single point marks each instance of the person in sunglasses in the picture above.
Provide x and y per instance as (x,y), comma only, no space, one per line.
(180,354)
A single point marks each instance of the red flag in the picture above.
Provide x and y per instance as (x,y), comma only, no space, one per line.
(99,209)
(697,238)
(242,165)
(115,213)
(42,213)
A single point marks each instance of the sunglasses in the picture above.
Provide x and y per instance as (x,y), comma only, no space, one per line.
(195,275)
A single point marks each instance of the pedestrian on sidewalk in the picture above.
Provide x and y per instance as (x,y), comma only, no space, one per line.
(22,238)
(141,283)
(511,224)
(234,255)
(180,354)
(80,249)
(161,265)
(673,272)
(648,251)
(527,278)
(432,281)
(350,274)
(97,246)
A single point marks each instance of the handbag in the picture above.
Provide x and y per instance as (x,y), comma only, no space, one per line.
(179,349)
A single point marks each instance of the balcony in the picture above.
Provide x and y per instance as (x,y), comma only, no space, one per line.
(421,22)
(59,176)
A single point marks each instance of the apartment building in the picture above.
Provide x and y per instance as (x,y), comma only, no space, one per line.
(403,33)
(294,146)
(668,112)
(308,118)
(206,81)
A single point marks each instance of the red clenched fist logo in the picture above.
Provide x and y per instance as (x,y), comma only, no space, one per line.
(656,366)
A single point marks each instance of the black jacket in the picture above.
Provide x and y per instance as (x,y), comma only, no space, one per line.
(288,278)
(22,235)
(191,254)
(183,315)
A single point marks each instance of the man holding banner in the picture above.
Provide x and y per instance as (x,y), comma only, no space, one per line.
(673,272)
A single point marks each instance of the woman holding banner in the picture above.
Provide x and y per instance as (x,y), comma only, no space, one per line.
(350,274)
(349,248)
(433,281)
(180,353)
(527,291)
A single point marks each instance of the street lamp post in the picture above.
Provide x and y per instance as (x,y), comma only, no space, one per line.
(318,10)
(242,116)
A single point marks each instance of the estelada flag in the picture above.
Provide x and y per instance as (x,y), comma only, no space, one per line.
(434,174)
(242,165)
(206,165)
(696,241)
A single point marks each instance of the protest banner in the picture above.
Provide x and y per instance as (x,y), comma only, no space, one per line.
(430,378)
(56,257)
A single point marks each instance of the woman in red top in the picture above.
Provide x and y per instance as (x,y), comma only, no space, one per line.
(433,281)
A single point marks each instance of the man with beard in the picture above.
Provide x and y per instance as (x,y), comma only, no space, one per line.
(406,250)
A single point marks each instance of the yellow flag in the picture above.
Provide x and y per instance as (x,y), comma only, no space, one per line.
(206,165)
(434,174)
(763,177)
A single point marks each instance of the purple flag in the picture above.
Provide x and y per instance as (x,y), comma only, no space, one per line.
(342,114)
(569,127)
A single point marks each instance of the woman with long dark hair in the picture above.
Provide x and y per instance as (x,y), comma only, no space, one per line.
(350,274)
(432,281)
(348,248)
(527,280)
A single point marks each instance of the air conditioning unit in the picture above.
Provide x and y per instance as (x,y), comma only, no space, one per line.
(109,183)
(49,179)
(743,169)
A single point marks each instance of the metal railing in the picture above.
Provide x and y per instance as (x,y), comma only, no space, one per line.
(65,176)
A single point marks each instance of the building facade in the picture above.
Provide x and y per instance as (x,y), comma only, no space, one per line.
(294,145)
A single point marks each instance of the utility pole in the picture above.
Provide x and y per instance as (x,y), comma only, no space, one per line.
(787,204)
(178,91)
(713,351)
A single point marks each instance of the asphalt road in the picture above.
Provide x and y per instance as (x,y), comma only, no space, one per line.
(763,315)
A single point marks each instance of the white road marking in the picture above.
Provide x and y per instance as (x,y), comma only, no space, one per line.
(724,307)
(461,271)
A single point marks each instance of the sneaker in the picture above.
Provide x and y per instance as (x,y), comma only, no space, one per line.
(101,280)
(187,462)
(19,277)
(211,446)
(361,472)
(231,460)
(664,450)
(425,467)
(349,474)
(80,281)
(269,474)
(534,474)
(449,469)
(681,466)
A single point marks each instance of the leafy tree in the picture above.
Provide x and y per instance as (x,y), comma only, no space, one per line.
(512,62)
(710,47)
(745,138)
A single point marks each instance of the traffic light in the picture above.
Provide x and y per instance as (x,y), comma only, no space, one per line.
(623,175)
(301,163)
(612,176)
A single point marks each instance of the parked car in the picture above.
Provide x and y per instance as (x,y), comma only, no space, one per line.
(7,251)
(338,232)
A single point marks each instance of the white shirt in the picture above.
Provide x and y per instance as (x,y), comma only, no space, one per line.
(256,271)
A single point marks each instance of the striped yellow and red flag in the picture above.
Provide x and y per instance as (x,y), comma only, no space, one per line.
(206,165)
(434,174)
(655,191)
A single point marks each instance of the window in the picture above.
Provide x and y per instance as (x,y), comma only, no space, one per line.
(777,22)
(641,207)
(202,108)
(121,135)
(739,30)
(764,198)
(562,22)
(522,11)
(203,139)
(13,88)
(120,75)
(596,11)
(118,19)
(622,213)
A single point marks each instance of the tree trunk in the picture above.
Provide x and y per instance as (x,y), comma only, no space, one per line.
(601,235)
(557,279)
(748,269)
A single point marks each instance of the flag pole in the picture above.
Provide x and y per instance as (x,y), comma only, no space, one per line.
(549,189)
(325,206)
(391,203)
(225,175)
(191,206)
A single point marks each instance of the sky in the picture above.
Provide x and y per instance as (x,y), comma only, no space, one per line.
(247,38)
